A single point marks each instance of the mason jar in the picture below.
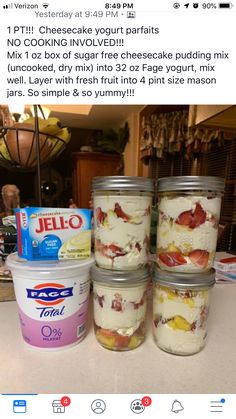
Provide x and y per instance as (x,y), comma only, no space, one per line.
(180,310)
(188,219)
(122,219)
(120,302)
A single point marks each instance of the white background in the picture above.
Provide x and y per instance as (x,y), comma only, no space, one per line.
(181,30)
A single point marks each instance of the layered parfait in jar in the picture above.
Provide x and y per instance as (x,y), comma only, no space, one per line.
(188,219)
(180,311)
(122,219)
(120,302)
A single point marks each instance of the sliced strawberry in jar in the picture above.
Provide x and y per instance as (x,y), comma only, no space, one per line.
(185,218)
(112,339)
(138,247)
(115,250)
(100,215)
(110,251)
(214,221)
(106,332)
(157,319)
(147,210)
(120,213)
(121,341)
(99,246)
(116,304)
(137,305)
(100,300)
(192,219)
(199,258)
(203,315)
(199,216)
(172,258)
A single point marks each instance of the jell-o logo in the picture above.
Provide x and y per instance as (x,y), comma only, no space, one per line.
(58,223)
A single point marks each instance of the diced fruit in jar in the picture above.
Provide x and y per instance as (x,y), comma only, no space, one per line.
(172,258)
(199,257)
(122,230)
(179,319)
(135,341)
(178,322)
(122,341)
(120,213)
(106,339)
(192,219)
(112,340)
(187,232)
(119,314)
(100,216)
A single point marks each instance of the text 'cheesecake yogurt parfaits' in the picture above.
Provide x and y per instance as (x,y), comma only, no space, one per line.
(188,218)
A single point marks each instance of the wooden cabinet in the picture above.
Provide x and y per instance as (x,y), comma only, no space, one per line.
(85,167)
(213,116)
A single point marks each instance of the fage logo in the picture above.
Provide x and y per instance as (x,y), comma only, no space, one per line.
(49,294)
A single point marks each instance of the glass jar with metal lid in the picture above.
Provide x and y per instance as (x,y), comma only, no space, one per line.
(122,219)
(180,310)
(120,302)
(188,219)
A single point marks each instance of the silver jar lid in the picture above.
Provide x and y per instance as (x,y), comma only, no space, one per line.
(177,183)
(185,280)
(131,183)
(119,278)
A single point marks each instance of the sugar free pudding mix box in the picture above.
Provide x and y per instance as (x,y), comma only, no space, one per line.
(227,264)
(53,233)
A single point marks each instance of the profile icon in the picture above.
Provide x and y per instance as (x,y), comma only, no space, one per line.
(98,406)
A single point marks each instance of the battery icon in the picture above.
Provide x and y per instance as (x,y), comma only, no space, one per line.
(225,5)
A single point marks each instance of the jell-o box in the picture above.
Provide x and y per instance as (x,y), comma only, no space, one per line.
(53,233)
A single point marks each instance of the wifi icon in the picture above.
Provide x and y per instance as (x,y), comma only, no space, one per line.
(45,5)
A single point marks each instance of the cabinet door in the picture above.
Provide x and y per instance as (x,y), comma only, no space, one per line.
(87,166)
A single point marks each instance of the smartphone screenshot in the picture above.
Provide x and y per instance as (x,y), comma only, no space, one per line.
(117,209)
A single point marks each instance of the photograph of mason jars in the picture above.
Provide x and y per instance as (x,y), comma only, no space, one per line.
(122,218)
(120,303)
(180,310)
(188,219)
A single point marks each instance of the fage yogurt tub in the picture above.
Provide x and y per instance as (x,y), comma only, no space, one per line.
(52,298)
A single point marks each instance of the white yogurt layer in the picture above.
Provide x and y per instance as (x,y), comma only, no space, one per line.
(189,266)
(172,207)
(179,341)
(181,328)
(131,236)
(203,237)
(126,321)
(173,236)
(132,260)
(188,308)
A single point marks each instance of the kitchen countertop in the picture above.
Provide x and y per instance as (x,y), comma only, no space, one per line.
(89,368)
